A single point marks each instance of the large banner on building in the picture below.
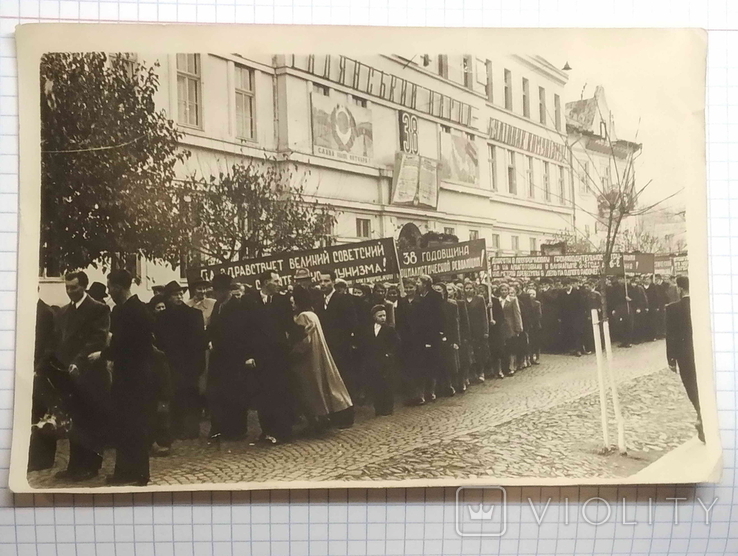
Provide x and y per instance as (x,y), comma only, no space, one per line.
(663,264)
(459,160)
(455,258)
(552,266)
(680,264)
(353,261)
(342,131)
(415,180)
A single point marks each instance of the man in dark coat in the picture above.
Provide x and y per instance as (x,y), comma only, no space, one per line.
(230,356)
(42,450)
(410,347)
(131,350)
(450,344)
(572,318)
(549,316)
(431,335)
(272,329)
(337,314)
(680,347)
(181,335)
(639,308)
(496,343)
(655,309)
(534,327)
(476,308)
(619,305)
(81,329)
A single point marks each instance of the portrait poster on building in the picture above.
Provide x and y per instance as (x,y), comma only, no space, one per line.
(148,154)
(444,260)
(459,160)
(341,131)
(354,261)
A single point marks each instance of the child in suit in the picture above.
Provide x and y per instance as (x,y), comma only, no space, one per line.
(381,351)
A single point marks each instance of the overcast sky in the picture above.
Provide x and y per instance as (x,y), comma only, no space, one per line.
(652,86)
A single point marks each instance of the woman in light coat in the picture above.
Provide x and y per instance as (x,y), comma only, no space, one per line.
(511,328)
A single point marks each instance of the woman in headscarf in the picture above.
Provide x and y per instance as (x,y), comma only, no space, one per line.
(319,387)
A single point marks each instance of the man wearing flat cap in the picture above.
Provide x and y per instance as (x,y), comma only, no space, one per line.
(181,335)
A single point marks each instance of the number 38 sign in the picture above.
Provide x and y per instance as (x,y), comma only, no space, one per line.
(408,133)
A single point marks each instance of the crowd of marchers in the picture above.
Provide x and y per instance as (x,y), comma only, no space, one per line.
(301,356)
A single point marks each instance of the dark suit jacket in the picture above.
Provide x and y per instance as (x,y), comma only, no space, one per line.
(180,333)
(495,330)
(679,345)
(572,310)
(340,324)
(451,322)
(429,319)
(535,315)
(406,324)
(478,319)
(44,330)
(271,328)
(131,350)
(80,332)
(381,351)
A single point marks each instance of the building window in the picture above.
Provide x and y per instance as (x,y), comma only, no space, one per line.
(495,241)
(557,112)
(473,234)
(512,187)
(542,104)
(603,130)
(526,98)
(490,93)
(363,227)
(470,136)
(531,179)
(586,230)
(443,65)
(515,243)
(319,89)
(546,181)
(189,89)
(358,101)
(492,166)
(596,228)
(245,103)
(449,231)
(562,185)
(445,128)
(533,247)
(508,90)
(584,180)
(468,69)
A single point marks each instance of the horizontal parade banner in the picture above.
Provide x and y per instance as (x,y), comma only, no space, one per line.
(353,261)
(552,266)
(441,260)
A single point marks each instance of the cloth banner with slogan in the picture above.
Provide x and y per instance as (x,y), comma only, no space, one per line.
(441,260)
(352,261)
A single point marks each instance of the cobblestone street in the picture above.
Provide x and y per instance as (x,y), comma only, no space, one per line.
(542,422)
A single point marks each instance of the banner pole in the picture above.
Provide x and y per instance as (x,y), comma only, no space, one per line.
(399,269)
(601,378)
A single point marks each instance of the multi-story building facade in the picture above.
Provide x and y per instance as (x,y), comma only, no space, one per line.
(600,162)
(490,135)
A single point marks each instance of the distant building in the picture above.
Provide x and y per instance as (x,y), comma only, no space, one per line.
(600,161)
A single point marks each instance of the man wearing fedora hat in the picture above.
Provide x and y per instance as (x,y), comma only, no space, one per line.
(181,334)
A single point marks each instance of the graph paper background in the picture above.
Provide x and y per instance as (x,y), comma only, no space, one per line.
(419,521)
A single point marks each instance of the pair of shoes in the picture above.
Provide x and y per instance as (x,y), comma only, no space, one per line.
(447,392)
(120,480)
(160,451)
(383,413)
(536,362)
(430,398)
(415,402)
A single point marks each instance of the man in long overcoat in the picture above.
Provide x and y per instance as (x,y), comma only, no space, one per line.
(181,335)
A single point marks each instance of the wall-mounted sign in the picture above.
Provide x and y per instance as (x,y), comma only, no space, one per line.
(408,133)
(342,131)
(415,181)
(519,138)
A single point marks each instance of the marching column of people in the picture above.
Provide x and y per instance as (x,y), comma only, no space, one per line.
(302,357)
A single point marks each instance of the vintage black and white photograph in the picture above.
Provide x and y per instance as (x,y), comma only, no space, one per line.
(419,264)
